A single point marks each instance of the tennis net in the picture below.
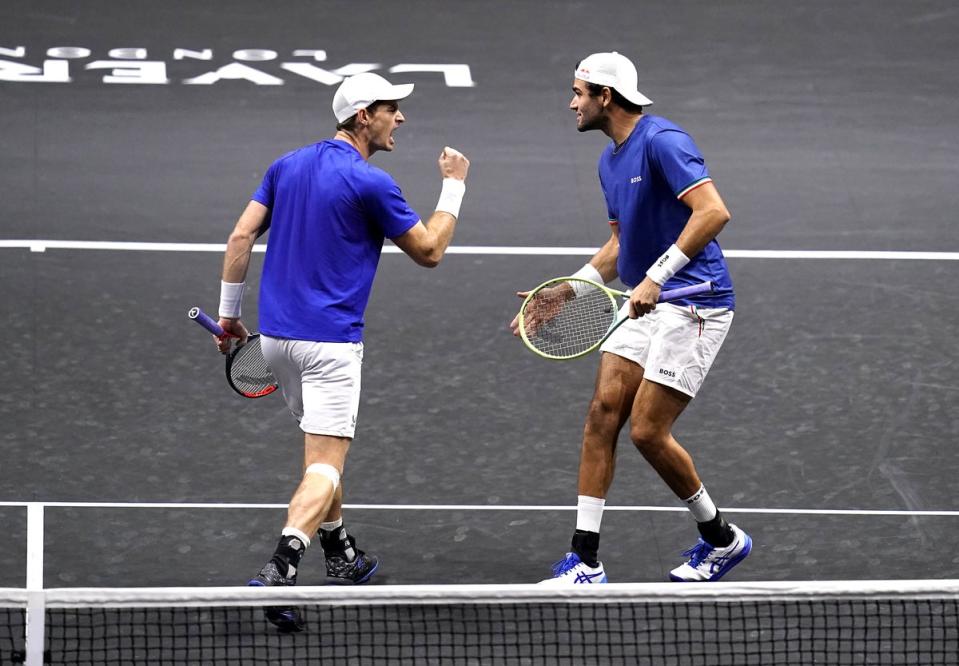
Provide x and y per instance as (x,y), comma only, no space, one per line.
(869,622)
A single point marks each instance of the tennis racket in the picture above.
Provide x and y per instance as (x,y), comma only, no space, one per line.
(560,322)
(246,369)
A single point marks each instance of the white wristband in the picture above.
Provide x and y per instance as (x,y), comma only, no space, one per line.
(667,265)
(231,299)
(587,272)
(451,196)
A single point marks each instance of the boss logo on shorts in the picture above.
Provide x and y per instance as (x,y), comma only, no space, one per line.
(668,373)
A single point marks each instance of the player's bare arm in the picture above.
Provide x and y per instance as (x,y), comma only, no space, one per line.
(253,222)
(605,260)
(427,243)
(239,247)
(709,216)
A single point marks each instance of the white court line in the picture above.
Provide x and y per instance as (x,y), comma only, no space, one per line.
(35,626)
(44,245)
(34,545)
(480,507)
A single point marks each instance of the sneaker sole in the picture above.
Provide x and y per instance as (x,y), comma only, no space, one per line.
(725,570)
(332,580)
(286,620)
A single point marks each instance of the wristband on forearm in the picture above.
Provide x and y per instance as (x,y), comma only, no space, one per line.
(451,196)
(231,299)
(587,272)
(667,265)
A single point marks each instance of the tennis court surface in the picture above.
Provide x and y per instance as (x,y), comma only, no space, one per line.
(131,136)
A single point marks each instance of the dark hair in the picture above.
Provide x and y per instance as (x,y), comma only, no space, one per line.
(350,123)
(595,90)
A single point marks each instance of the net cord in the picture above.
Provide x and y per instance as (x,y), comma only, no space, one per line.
(480,594)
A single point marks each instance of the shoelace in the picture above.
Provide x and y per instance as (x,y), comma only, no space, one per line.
(698,553)
(565,564)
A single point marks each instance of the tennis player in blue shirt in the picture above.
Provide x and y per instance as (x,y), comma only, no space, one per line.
(665,214)
(328,211)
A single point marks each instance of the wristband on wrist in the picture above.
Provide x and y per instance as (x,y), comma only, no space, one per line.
(451,196)
(231,299)
(667,265)
(587,272)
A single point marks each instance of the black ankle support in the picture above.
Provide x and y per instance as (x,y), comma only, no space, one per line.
(586,545)
(338,543)
(716,532)
(289,551)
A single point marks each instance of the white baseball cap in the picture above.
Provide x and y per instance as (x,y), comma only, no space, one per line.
(359,91)
(614,71)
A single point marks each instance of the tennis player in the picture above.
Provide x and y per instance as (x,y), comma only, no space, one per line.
(328,211)
(664,213)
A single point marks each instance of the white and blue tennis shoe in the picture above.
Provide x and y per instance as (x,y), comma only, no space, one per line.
(571,570)
(708,563)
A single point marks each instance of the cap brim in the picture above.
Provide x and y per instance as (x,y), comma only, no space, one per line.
(636,97)
(400,91)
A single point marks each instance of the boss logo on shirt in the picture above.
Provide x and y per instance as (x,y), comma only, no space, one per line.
(636,179)
(667,373)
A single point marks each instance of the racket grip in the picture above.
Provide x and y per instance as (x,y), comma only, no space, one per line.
(204,320)
(683,292)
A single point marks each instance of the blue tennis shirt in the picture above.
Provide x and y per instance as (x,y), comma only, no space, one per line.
(329,212)
(644,181)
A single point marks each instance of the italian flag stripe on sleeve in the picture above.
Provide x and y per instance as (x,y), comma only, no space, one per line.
(692,186)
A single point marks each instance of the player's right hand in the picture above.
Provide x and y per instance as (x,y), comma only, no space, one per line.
(234,330)
(453,164)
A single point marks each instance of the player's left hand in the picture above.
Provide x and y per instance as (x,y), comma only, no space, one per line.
(547,304)
(643,298)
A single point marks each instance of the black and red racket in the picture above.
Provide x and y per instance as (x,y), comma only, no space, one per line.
(246,369)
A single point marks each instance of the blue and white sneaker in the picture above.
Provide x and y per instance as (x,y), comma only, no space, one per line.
(708,563)
(573,571)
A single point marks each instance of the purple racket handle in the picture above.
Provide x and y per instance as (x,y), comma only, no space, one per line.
(683,292)
(204,320)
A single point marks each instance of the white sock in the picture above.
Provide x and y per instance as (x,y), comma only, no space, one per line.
(701,505)
(329,527)
(589,513)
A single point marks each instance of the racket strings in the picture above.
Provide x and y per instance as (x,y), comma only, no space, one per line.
(565,328)
(249,372)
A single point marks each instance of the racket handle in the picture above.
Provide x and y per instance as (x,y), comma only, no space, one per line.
(204,320)
(683,292)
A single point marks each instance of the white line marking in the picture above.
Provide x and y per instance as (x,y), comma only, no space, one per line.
(43,245)
(35,617)
(34,545)
(481,507)
(35,629)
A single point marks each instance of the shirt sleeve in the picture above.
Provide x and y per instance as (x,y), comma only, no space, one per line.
(267,190)
(385,204)
(679,161)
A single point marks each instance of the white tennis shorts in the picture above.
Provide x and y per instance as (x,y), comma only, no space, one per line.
(320,382)
(675,344)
